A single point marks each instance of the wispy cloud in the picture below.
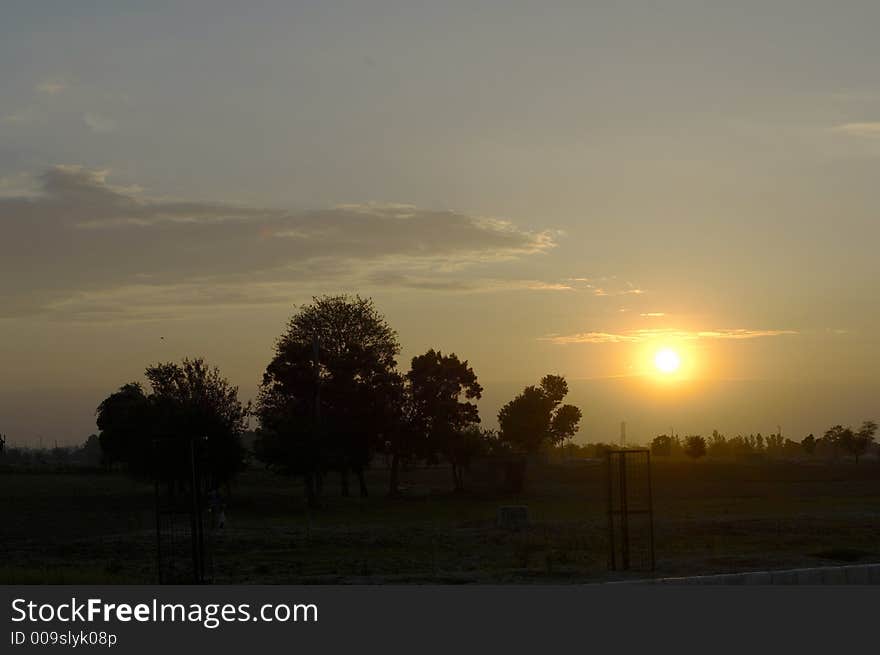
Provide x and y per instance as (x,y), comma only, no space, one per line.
(99,124)
(653,314)
(869,129)
(18,185)
(589,337)
(21,117)
(52,86)
(604,286)
(435,282)
(648,335)
(81,244)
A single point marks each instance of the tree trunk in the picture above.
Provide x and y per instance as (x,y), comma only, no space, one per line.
(458,476)
(343,478)
(363,483)
(394,478)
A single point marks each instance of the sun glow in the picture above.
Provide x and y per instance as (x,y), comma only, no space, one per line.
(667,361)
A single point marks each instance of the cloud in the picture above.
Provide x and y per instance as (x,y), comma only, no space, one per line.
(457,284)
(21,117)
(867,129)
(52,87)
(605,286)
(81,245)
(99,124)
(648,335)
(17,185)
(589,337)
(653,314)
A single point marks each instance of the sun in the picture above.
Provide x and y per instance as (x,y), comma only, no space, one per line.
(667,361)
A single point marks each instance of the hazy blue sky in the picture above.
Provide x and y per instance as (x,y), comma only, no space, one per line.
(537,186)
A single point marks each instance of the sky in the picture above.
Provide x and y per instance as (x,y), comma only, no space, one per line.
(538,187)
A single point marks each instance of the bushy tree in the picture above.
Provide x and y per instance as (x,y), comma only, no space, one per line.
(537,418)
(123,419)
(833,439)
(857,442)
(661,445)
(191,410)
(694,446)
(324,401)
(441,388)
(808,444)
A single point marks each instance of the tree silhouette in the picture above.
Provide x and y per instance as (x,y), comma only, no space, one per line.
(857,442)
(809,444)
(440,387)
(536,418)
(190,406)
(91,451)
(835,437)
(123,419)
(322,401)
(195,401)
(661,445)
(694,446)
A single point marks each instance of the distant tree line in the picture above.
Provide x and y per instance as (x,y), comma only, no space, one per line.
(88,455)
(836,442)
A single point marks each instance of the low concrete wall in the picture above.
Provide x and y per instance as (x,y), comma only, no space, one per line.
(823,575)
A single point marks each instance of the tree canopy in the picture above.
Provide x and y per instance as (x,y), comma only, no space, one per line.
(189,403)
(441,388)
(694,446)
(324,396)
(537,417)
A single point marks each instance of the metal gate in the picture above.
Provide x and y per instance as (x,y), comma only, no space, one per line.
(630,510)
(183,524)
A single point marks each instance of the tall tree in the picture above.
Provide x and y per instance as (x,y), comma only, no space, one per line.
(441,388)
(536,417)
(321,394)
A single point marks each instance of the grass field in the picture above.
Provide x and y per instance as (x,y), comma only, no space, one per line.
(710,516)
